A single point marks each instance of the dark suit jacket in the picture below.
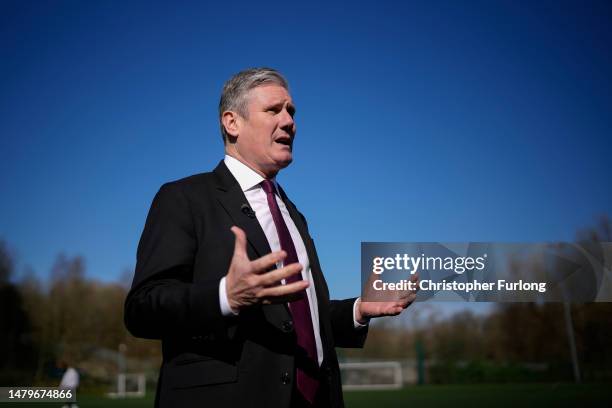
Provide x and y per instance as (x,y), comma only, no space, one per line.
(210,360)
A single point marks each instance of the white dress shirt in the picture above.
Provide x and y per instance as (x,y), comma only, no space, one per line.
(249,182)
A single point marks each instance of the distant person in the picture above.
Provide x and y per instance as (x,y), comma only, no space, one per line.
(70,381)
(214,250)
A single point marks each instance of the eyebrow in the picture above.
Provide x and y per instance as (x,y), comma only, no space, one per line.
(279,105)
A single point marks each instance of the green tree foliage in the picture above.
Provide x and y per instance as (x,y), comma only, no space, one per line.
(74,318)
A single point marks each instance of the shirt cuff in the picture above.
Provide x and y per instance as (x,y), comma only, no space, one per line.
(355,322)
(226,309)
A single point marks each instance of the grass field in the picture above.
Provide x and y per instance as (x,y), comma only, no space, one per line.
(464,396)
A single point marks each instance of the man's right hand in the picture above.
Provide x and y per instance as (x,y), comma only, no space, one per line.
(251,282)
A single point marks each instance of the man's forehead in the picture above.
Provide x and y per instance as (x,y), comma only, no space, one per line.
(270,93)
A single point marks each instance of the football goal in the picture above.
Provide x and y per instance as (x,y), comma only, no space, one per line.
(382,375)
(129,385)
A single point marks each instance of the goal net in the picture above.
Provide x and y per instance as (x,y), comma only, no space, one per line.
(383,375)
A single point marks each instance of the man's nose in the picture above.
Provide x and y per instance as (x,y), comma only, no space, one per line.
(286,120)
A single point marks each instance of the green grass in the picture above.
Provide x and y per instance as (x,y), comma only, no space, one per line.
(463,396)
(473,396)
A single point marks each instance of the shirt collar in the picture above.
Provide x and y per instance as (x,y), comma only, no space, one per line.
(246,177)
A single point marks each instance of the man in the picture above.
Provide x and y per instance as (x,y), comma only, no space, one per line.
(69,382)
(228,277)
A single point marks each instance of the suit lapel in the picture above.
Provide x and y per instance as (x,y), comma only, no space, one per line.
(232,198)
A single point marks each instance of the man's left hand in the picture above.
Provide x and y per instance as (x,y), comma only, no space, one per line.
(400,300)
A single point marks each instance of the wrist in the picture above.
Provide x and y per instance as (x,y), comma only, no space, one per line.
(229,300)
(360,317)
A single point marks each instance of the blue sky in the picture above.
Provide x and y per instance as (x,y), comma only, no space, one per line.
(437,121)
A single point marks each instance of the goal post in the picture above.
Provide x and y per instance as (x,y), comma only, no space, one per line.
(381,375)
(130,385)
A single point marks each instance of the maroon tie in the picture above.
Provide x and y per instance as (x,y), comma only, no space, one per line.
(307,383)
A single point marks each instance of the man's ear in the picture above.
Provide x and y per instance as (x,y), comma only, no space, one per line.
(230,120)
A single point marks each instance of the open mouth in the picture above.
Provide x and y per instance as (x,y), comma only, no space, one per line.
(284,141)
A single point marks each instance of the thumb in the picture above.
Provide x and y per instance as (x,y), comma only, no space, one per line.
(240,243)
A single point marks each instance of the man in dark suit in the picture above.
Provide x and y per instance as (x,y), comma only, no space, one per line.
(228,277)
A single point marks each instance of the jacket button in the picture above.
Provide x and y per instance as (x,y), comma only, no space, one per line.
(285,378)
(328,373)
(287,326)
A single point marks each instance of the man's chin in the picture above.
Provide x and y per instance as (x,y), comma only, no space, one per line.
(284,161)
(277,166)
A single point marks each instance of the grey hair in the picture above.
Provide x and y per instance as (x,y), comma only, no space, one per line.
(235,91)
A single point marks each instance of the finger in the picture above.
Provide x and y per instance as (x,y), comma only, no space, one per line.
(283,290)
(408,294)
(270,278)
(395,310)
(415,279)
(404,297)
(266,262)
(408,301)
(240,243)
(405,303)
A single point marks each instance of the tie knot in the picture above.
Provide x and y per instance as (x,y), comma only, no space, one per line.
(268,186)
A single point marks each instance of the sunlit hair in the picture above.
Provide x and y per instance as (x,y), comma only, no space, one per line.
(236,89)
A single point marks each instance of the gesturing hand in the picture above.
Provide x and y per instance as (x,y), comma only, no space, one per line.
(249,282)
(391,303)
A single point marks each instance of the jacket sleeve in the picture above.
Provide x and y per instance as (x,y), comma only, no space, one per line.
(343,325)
(163,299)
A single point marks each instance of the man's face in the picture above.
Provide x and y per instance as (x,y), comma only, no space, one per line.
(265,138)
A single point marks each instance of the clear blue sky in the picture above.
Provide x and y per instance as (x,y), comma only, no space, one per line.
(417,121)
